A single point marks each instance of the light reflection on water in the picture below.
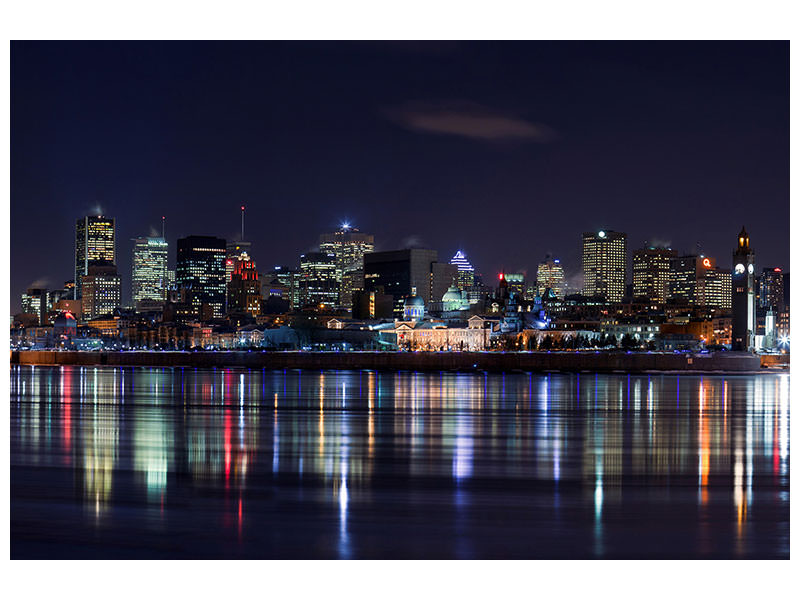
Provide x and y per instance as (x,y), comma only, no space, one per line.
(305,464)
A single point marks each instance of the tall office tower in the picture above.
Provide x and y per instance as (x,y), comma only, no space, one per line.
(149,276)
(466,272)
(318,285)
(771,288)
(743,301)
(34,302)
(697,281)
(200,269)
(651,273)
(349,246)
(94,241)
(244,289)
(233,251)
(550,274)
(101,290)
(285,283)
(398,271)
(604,264)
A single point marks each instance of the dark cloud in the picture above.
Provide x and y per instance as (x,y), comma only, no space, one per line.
(469,120)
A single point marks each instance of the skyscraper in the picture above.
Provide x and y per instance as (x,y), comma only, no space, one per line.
(550,274)
(604,264)
(348,245)
(651,273)
(743,301)
(771,288)
(318,285)
(34,302)
(94,241)
(244,289)
(101,290)
(149,272)
(200,269)
(398,271)
(466,272)
(697,281)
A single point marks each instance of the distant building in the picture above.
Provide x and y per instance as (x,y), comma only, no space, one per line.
(94,242)
(34,302)
(550,275)
(285,283)
(743,302)
(234,250)
(318,285)
(101,293)
(149,279)
(651,273)
(398,271)
(200,269)
(348,245)
(374,304)
(466,272)
(604,264)
(770,293)
(244,289)
(697,281)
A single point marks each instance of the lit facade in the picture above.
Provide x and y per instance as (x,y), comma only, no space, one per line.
(348,246)
(651,273)
(101,291)
(466,272)
(244,289)
(94,242)
(34,302)
(149,279)
(697,281)
(233,251)
(550,274)
(200,269)
(604,264)
(771,288)
(318,284)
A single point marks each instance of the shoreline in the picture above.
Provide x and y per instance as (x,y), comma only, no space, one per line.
(598,362)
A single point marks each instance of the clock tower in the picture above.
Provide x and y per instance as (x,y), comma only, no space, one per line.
(743,295)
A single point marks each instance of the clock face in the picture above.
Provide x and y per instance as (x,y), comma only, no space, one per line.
(739,269)
(750,269)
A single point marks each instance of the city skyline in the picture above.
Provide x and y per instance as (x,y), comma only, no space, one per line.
(401,148)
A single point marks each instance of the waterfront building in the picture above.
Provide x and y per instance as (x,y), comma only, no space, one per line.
(94,242)
(743,301)
(318,285)
(466,272)
(348,245)
(101,290)
(651,273)
(244,289)
(398,271)
(149,271)
(423,335)
(200,269)
(550,275)
(604,264)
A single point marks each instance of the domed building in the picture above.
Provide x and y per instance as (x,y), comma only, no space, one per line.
(413,307)
(454,299)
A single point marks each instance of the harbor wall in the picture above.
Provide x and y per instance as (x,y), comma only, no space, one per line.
(730,362)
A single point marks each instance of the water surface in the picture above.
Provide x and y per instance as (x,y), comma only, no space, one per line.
(225,463)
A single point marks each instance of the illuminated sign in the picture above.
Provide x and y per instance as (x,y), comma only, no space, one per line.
(706,262)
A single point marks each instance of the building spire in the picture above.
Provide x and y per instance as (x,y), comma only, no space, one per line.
(242,222)
(163,220)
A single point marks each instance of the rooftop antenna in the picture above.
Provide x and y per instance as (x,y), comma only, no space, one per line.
(242,222)
(163,219)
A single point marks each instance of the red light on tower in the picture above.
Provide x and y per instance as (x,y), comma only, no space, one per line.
(500,277)
(777,270)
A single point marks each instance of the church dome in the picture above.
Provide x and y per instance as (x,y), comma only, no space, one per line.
(414,301)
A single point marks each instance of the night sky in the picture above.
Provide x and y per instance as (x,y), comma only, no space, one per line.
(506,150)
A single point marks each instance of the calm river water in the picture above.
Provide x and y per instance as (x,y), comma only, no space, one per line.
(227,463)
